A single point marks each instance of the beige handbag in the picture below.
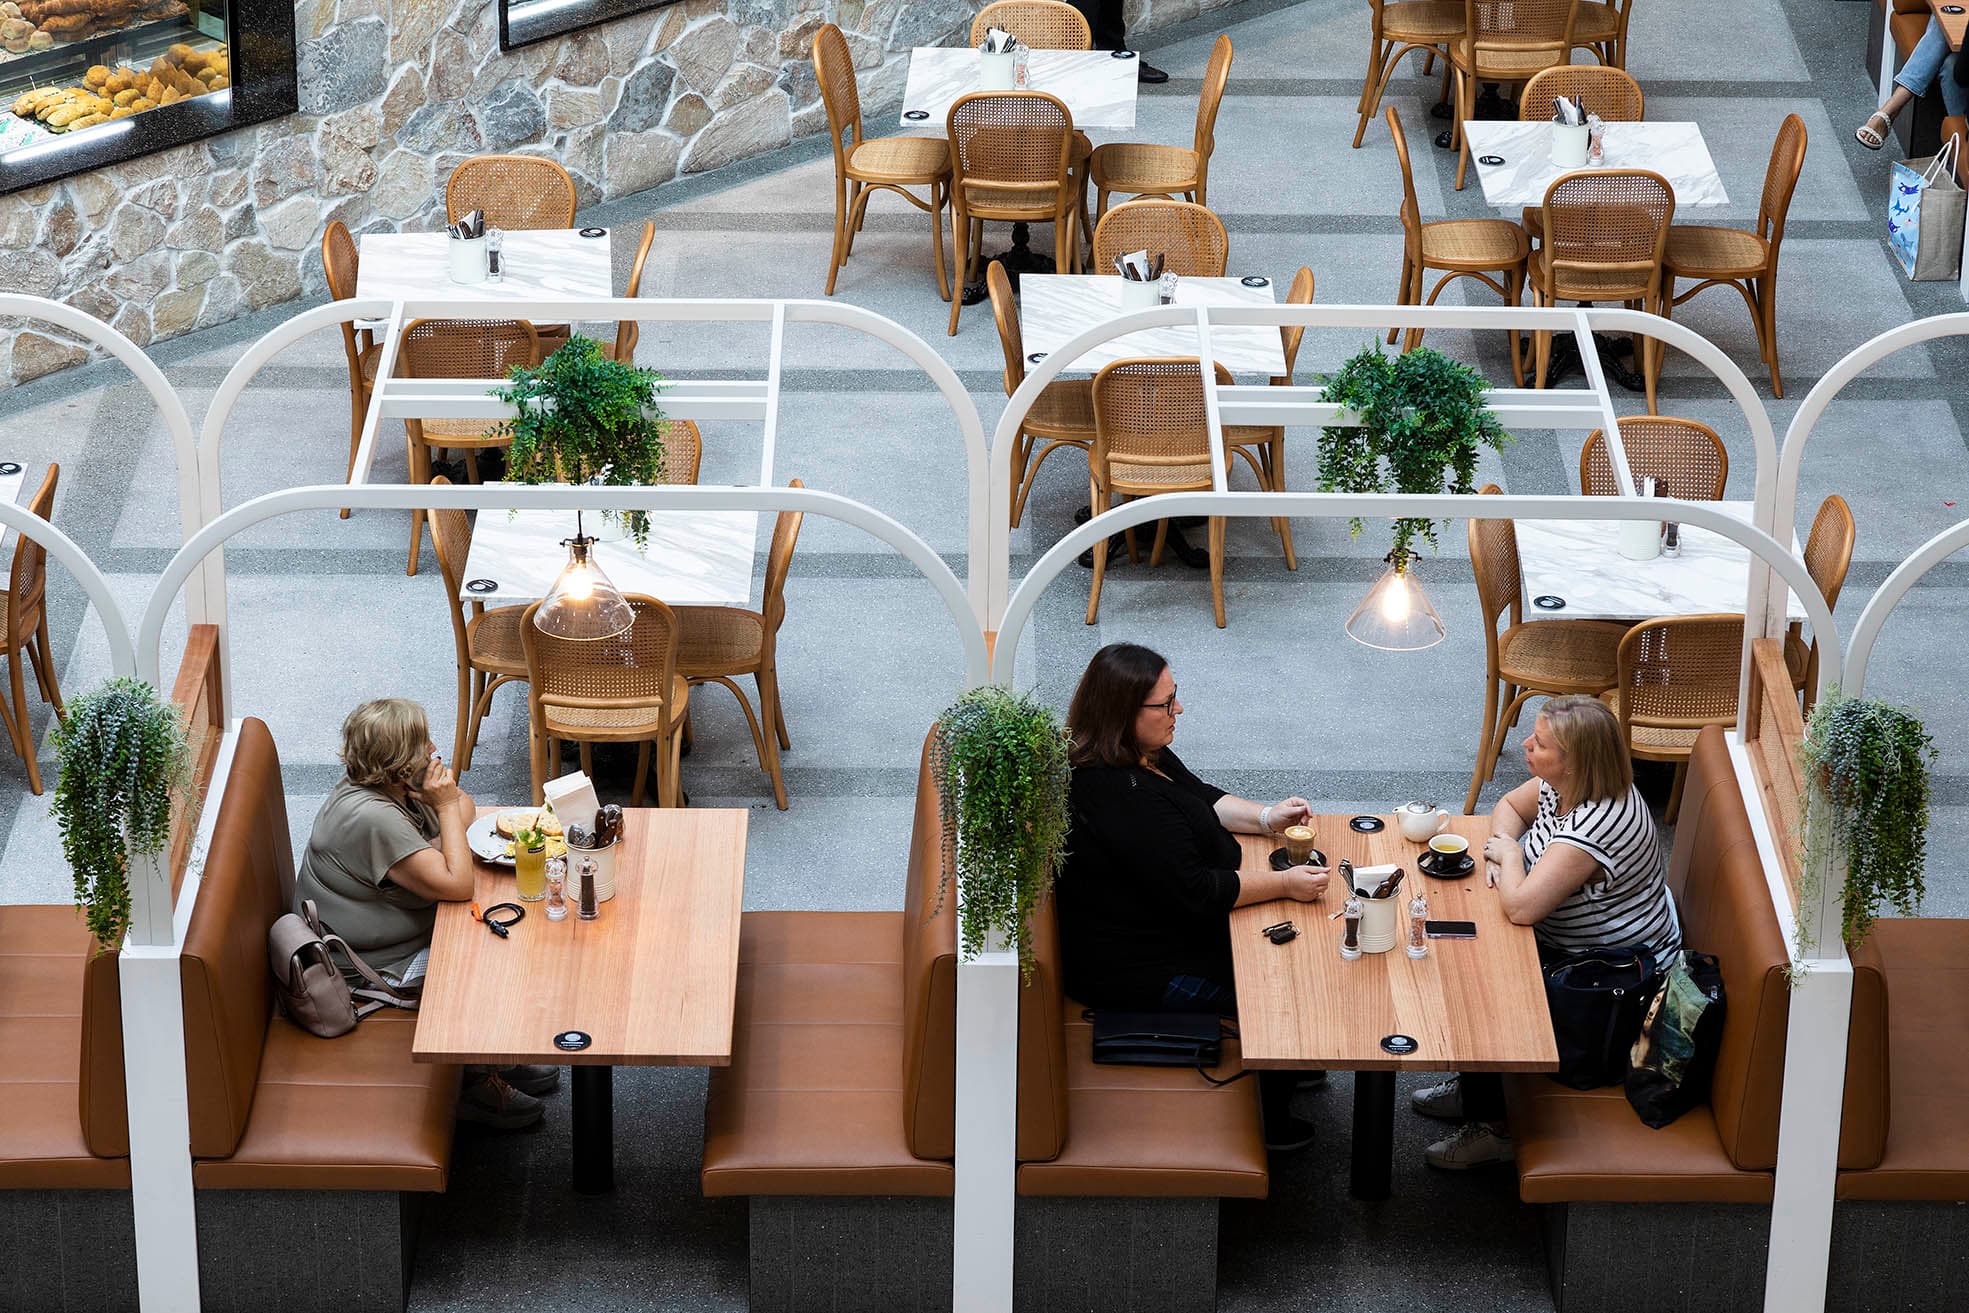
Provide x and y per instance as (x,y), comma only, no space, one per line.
(310,987)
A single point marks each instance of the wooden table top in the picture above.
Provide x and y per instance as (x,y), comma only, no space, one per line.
(1953,25)
(1473,1004)
(652,980)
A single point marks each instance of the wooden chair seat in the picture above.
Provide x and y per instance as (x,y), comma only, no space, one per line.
(1011,206)
(1142,167)
(1476,243)
(460,433)
(493,639)
(1595,23)
(627,723)
(1503,64)
(1065,409)
(1573,283)
(1564,656)
(1131,478)
(1703,252)
(907,160)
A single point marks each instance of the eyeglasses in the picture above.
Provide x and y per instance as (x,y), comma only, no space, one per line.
(1168,705)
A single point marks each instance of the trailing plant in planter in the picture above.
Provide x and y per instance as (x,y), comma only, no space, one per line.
(1423,422)
(584,418)
(1000,762)
(1866,767)
(124,762)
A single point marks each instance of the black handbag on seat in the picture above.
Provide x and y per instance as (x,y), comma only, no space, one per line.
(1597,1002)
(1158,1039)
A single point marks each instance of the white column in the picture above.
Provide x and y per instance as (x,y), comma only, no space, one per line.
(987,1130)
(1808,1138)
(160,1129)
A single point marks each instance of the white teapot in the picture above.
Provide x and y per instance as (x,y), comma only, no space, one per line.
(1420,821)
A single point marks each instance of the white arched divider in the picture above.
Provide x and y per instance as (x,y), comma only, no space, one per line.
(1895,587)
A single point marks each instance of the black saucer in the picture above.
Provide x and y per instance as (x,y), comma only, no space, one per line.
(1367,824)
(1427,863)
(1282,862)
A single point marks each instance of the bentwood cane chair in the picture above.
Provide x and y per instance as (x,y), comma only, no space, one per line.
(1137,168)
(715,644)
(515,191)
(1605,232)
(1010,156)
(1601,28)
(1608,92)
(27,629)
(1492,251)
(1677,674)
(1504,42)
(1828,555)
(339,263)
(1038,24)
(1746,261)
(1535,659)
(486,642)
(624,689)
(458,348)
(1686,460)
(629,331)
(1396,28)
(1191,237)
(1061,416)
(864,165)
(1150,437)
(1269,443)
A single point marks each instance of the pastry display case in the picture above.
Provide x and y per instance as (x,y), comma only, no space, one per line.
(84,83)
(523,22)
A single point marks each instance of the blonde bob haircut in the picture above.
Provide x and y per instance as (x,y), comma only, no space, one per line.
(1588,733)
(386,742)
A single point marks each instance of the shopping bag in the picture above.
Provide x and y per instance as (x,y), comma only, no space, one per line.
(1925,211)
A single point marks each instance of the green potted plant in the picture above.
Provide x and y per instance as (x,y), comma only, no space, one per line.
(1866,766)
(1000,762)
(124,762)
(584,418)
(1419,421)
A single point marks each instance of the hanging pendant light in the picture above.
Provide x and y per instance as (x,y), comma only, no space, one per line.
(1396,615)
(583,603)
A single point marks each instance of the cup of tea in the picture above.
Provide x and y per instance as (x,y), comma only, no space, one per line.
(1299,843)
(1449,847)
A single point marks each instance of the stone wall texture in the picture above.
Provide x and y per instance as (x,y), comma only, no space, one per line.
(393,94)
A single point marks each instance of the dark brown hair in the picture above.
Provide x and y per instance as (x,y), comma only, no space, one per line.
(1101,718)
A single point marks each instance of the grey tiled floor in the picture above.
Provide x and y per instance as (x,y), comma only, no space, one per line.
(323,615)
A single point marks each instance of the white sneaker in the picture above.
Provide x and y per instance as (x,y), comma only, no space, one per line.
(1475,1144)
(1444,1100)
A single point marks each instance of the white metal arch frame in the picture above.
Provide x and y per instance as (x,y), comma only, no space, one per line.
(1892,591)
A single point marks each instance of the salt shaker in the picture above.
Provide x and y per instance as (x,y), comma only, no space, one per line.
(557,888)
(1350,942)
(1418,925)
(1021,57)
(1166,287)
(588,908)
(495,257)
(1596,137)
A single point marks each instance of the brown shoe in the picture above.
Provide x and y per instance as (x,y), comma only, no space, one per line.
(488,1100)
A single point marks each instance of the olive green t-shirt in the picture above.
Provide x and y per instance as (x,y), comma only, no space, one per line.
(359,834)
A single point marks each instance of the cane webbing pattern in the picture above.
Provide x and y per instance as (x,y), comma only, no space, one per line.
(1609,92)
(27,579)
(1038,24)
(1604,235)
(1685,459)
(1829,548)
(339,260)
(1190,237)
(1149,425)
(515,191)
(1679,672)
(1494,561)
(834,70)
(1015,138)
(616,683)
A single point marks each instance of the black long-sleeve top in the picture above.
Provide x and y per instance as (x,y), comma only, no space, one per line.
(1150,878)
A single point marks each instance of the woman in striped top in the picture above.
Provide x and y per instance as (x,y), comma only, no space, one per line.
(1574,853)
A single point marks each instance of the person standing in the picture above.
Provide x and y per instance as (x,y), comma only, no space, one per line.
(1109,27)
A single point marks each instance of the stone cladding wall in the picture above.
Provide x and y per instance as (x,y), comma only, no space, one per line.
(393,94)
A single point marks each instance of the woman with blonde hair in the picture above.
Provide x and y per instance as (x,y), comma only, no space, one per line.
(1573,853)
(388,846)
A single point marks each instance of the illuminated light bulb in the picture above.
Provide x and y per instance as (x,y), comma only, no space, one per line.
(583,604)
(1396,615)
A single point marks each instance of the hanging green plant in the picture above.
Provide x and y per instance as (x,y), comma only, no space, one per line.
(1423,423)
(584,418)
(1000,762)
(1866,767)
(124,762)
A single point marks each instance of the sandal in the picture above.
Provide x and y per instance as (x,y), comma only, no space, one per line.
(1869,138)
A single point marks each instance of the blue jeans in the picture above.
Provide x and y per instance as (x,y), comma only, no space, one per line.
(1932,59)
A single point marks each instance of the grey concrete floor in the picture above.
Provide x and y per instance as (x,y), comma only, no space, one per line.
(323,615)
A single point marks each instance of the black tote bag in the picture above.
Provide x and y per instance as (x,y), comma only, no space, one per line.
(1597,1002)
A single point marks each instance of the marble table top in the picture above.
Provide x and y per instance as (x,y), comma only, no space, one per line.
(1674,150)
(694,558)
(1056,308)
(1577,560)
(538,263)
(1099,90)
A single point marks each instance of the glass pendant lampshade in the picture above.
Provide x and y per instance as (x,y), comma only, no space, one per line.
(1396,616)
(583,604)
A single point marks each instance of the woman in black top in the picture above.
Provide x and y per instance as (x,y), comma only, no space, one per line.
(1152,865)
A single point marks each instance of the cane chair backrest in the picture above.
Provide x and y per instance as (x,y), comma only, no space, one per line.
(1610,226)
(1210,100)
(683,451)
(1191,238)
(468,348)
(630,331)
(1680,672)
(339,260)
(1494,561)
(1149,412)
(1520,25)
(779,561)
(1011,340)
(451,535)
(1781,180)
(1038,24)
(1829,548)
(515,191)
(28,577)
(834,70)
(1411,212)
(1300,293)
(1685,459)
(1010,148)
(1609,92)
(632,669)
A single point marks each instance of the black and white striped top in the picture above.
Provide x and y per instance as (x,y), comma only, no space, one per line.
(1626,901)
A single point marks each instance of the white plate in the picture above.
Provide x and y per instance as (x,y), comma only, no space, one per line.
(485,841)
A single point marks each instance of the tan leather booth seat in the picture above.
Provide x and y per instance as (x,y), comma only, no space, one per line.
(62,1119)
(273,1107)
(1588,1145)
(1090,1131)
(1910,1052)
(843,1069)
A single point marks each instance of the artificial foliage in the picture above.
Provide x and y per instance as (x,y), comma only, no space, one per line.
(1000,762)
(124,761)
(1422,420)
(584,418)
(1866,766)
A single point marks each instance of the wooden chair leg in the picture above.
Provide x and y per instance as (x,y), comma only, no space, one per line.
(1466,109)
(1161,539)
(461,737)
(1375,47)
(1217,523)
(1378,73)
(536,751)
(1767,320)
(769,683)
(419,461)
(1401,293)
(961,226)
(857,210)
(1514,278)
(1481,771)
(1675,793)
(636,790)
(939,196)
(14,735)
(837,257)
(1100,573)
(1275,468)
(23,733)
(588,759)
(44,664)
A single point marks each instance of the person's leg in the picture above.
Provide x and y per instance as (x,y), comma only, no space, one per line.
(1955,93)
(1924,62)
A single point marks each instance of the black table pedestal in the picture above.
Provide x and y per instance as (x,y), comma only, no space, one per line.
(1021,259)
(594,1130)
(1374,1134)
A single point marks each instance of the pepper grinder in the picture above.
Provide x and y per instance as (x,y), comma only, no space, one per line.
(588,908)
(1418,925)
(1350,942)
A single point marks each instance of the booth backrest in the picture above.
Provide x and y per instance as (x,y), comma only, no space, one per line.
(228,990)
(1864,1117)
(101,1100)
(1043,1085)
(929,965)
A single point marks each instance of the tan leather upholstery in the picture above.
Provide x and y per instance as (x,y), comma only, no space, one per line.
(843,1045)
(105,1117)
(1093,1131)
(1924,965)
(1907,29)
(45,1088)
(1576,1145)
(273,1107)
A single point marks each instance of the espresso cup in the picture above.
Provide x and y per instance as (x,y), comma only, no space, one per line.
(1449,847)
(1299,843)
